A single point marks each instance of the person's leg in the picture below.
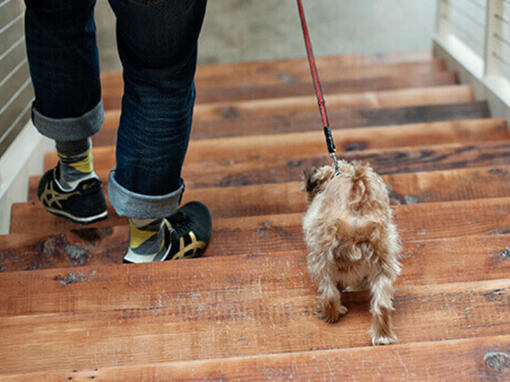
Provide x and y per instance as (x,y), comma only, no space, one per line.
(64,66)
(157,43)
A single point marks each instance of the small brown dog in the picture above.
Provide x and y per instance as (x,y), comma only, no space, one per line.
(352,241)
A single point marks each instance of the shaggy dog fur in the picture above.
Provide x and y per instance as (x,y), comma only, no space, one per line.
(352,242)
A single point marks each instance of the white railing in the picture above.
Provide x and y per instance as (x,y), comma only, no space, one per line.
(474,37)
(16,92)
(22,148)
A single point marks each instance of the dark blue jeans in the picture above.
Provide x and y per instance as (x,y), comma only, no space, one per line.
(157,43)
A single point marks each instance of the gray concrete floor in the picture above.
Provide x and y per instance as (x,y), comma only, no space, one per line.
(246,30)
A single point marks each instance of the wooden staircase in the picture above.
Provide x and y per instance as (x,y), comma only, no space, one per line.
(69,310)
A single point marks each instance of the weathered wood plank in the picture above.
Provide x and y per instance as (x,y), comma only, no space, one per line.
(79,247)
(245,110)
(267,68)
(287,164)
(305,107)
(292,89)
(428,78)
(290,144)
(270,74)
(431,261)
(341,119)
(492,154)
(293,70)
(344,120)
(388,161)
(160,313)
(254,68)
(421,187)
(266,233)
(346,60)
(473,359)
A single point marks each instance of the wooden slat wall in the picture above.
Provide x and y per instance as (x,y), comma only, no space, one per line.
(16,93)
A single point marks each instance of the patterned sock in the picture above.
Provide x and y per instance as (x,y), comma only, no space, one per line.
(75,161)
(146,240)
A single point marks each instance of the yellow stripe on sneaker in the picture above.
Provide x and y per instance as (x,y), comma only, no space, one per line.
(137,237)
(194,245)
(86,165)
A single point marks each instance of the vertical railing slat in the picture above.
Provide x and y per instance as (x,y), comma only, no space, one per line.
(443,18)
(492,44)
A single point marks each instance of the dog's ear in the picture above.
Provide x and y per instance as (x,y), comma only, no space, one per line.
(309,181)
(315,178)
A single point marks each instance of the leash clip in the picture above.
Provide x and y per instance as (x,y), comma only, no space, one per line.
(335,162)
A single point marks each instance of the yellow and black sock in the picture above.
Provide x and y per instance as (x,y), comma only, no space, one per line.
(75,161)
(146,240)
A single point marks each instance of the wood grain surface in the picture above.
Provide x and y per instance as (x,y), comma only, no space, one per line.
(288,71)
(348,139)
(473,359)
(253,92)
(160,313)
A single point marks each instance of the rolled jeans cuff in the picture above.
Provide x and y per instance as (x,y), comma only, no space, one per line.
(70,129)
(139,206)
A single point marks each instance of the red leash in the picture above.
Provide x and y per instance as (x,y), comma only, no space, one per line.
(317,85)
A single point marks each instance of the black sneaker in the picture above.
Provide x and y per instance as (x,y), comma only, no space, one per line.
(83,204)
(186,235)
(190,231)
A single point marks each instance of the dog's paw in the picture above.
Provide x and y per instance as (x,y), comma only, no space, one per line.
(384,340)
(331,312)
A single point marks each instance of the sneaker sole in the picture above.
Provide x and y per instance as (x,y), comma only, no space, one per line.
(78,220)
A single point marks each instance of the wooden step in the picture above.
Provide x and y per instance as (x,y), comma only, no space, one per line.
(268,74)
(287,227)
(387,161)
(287,168)
(289,71)
(260,70)
(291,144)
(402,161)
(167,312)
(469,360)
(424,187)
(273,70)
(266,233)
(236,149)
(304,108)
(414,79)
(412,188)
(103,246)
(343,119)
(390,82)
(278,114)
(340,119)
(425,262)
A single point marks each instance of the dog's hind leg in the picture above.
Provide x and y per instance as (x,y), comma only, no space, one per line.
(323,271)
(381,289)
